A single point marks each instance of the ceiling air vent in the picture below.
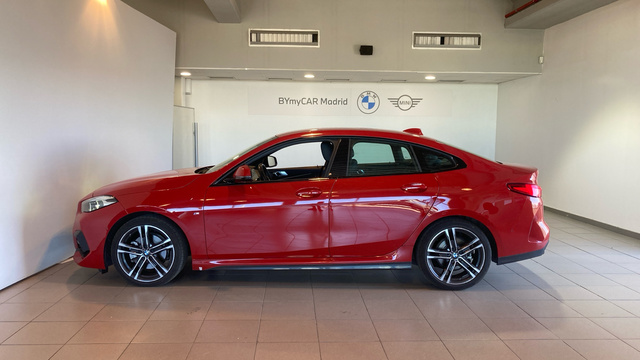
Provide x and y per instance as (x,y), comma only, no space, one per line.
(423,40)
(296,38)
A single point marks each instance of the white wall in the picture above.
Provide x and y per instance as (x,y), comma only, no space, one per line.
(579,122)
(233,115)
(86,93)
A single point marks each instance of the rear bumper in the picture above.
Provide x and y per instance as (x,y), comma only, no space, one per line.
(519,257)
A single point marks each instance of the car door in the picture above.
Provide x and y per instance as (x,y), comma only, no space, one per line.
(380,200)
(277,212)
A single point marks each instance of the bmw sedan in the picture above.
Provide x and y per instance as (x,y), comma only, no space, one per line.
(320,199)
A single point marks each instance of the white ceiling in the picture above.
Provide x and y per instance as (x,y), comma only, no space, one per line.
(547,13)
(539,15)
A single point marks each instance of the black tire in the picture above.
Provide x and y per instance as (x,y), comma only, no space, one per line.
(454,254)
(149,251)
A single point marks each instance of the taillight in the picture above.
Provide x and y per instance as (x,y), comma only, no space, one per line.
(526,189)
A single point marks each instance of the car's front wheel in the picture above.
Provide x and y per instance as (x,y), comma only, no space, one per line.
(454,254)
(149,251)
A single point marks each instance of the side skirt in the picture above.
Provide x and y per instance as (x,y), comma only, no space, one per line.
(393,266)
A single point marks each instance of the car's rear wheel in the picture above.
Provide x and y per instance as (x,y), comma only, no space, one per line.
(454,254)
(149,251)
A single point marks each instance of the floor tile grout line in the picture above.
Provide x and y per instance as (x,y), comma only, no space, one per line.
(430,325)
(405,290)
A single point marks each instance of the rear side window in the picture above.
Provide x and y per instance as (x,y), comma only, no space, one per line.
(434,161)
(372,153)
(371,158)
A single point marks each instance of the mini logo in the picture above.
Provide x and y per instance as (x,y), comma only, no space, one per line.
(405,102)
(368,102)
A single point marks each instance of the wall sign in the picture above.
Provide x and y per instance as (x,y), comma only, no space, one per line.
(283,100)
(298,100)
(405,102)
(368,102)
(312,101)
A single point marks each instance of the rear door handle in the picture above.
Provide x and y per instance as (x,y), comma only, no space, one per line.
(309,193)
(414,187)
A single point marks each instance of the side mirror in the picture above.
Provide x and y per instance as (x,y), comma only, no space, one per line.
(242,174)
(272,161)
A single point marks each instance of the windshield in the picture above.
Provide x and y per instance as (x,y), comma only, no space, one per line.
(225,162)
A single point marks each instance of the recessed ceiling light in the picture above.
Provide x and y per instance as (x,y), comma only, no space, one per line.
(185,73)
(309,76)
(430,77)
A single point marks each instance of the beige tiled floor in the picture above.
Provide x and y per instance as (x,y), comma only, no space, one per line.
(581,300)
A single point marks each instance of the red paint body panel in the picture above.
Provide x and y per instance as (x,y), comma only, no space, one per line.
(268,220)
(350,220)
(374,216)
(96,228)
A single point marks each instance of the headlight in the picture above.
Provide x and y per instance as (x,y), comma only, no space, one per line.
(97,202)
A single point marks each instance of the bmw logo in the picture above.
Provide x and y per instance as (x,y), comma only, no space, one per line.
(368,102)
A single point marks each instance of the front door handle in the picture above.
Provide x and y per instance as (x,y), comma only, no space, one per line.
(309,193)
(414,187)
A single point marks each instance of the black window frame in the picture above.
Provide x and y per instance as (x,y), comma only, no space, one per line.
(456,161)
(337,166)
(224,179)
(341,158)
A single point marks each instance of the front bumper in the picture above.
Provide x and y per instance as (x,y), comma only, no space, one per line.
(90,233)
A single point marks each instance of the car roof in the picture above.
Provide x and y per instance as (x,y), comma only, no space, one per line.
(369,132)
(352,132)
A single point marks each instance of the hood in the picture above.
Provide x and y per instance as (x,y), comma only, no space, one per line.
(165,180)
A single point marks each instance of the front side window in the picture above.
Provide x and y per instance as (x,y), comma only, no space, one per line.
(225,162)
(303,155)
(293,161)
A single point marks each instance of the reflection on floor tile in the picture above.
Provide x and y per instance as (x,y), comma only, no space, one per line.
(346,331)
(580,300)
(481,350)
(97,351)
(352,351)
(288,351)
(155,351)
(222,351)
(543,349)
(432,350)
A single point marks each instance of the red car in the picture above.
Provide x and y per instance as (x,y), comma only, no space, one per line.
(320,199)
